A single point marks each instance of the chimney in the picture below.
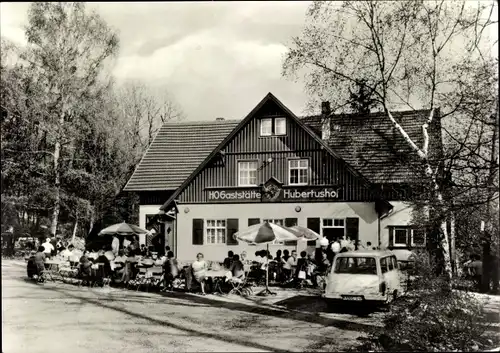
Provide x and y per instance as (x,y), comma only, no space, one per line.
(219,119)
(325,120)
(325,108)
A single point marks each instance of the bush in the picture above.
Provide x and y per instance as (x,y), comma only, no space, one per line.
(431,317)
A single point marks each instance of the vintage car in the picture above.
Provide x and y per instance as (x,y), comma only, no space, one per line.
(364,276)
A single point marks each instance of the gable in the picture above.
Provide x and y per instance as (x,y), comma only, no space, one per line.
(245,143)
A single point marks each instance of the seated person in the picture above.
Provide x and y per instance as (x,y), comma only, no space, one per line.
(244,258)
(109,253)
(85,265)
(92,254)
(147,261)
(144,250)
(102,259)
(67,254)
(157,261)
(200,268)
(121,258)
(228,260)
(237,269)
(170,271)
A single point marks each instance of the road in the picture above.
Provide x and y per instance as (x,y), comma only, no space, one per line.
(57,317)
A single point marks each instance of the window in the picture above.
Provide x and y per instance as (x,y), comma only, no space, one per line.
(390,264)
(215,231)
(394,262)
(383,265)
(280,126)
(418,237)
(272,126)
(405,236)
(333,228)
(356,265)
(401,236)
(247,173)
(266,127)
(298,171)
(280,222)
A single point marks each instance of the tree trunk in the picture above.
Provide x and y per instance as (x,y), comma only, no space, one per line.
(453,254)
(74,231)
(57,181)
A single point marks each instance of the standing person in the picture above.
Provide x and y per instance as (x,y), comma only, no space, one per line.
(54,242)
(286,255)
(115,245)
(48,248)
(200,268)
(228,260)
(126,242)
(170,271)
(290,265)
(334,249)
(476,268)
(135,246)
(39,260)
(301,269)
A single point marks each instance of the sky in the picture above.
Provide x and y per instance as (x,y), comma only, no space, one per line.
(215,59)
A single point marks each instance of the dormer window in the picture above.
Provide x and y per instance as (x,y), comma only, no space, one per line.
(273,127)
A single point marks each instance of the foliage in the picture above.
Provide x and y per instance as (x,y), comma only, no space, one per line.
(432,318)
(414,55)
(68,146)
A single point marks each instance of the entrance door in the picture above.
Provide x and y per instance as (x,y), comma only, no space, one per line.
(333,233)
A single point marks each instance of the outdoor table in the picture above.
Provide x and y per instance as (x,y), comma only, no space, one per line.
(52,267)
(217,278)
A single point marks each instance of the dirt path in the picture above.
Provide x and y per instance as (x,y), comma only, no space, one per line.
(56,317)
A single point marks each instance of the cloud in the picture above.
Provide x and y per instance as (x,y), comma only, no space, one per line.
(214,58)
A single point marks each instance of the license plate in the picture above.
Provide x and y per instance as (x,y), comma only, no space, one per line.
(355,298)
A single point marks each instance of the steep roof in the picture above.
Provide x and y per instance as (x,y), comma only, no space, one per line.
(242,123)
(176,151)
(370,144)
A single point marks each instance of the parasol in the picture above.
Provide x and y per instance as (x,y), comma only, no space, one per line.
(264,233)
(304,233)
(123,229)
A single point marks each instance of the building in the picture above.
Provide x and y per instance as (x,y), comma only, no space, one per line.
(200,182)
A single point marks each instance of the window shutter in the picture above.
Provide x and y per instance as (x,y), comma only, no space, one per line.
(391,237)
(408,236)
(232,227)
(252,221)
(315,225)
(197,231)
(352,229)
(290,222)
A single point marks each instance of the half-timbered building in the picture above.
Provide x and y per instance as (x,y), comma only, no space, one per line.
(348,176)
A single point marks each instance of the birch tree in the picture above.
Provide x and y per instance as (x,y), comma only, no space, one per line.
(406,55)
(67,50)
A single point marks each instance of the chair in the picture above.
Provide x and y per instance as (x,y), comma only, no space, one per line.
(140,279)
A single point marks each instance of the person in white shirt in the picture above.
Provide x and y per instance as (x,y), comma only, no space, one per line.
(109,254)
(115,245)
(290,265)
(67,254)
(48,248)
(336,247)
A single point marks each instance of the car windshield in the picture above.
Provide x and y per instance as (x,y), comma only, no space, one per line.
(356,265)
